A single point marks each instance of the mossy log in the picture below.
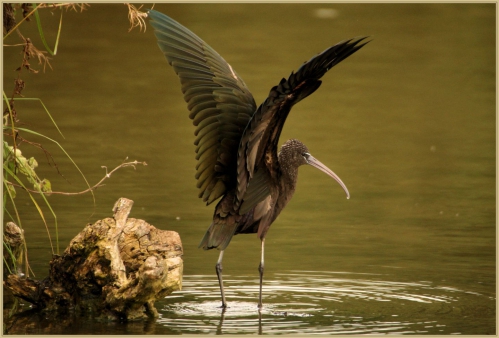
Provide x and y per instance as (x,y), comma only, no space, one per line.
(115,268)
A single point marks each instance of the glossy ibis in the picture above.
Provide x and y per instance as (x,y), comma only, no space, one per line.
(236,141)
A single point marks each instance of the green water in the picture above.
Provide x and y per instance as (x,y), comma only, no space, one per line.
(408,123)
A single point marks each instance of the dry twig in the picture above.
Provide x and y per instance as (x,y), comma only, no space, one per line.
(136,17)
(97,185)
(68,6)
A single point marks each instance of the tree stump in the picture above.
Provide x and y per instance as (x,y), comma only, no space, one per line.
(115,268)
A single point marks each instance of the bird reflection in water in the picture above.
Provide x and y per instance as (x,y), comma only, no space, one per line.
(222,317)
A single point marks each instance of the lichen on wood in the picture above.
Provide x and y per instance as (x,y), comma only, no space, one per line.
(115,269)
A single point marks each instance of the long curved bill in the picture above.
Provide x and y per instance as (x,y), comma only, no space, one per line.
(318,164)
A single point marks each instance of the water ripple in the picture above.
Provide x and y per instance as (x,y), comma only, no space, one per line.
(306,302)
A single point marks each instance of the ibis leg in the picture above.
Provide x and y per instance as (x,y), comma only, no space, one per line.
(218,268)
(260,269)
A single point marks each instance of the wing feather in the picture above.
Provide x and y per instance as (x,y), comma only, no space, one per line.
(215,96)
(257,151)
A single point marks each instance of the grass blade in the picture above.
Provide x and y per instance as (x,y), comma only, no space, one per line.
(23,19)
(44,107)
(34,202)
(64,151)
(42,35)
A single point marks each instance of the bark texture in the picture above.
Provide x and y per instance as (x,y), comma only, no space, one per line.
(115,269)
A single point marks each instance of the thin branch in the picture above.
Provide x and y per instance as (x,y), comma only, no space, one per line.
(98,184)
(48,155)
(68,6)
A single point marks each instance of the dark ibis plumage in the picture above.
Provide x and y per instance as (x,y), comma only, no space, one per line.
(236,140)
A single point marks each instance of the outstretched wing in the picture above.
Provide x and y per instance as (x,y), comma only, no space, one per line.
(219,102)
(257,163)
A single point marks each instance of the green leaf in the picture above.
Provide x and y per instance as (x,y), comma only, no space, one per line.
(12,190)
(32,163)
(45,186)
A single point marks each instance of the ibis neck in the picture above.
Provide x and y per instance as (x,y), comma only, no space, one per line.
(287,180)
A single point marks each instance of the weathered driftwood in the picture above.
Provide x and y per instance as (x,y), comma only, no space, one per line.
(13,244)
(115,268)
(13,238)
